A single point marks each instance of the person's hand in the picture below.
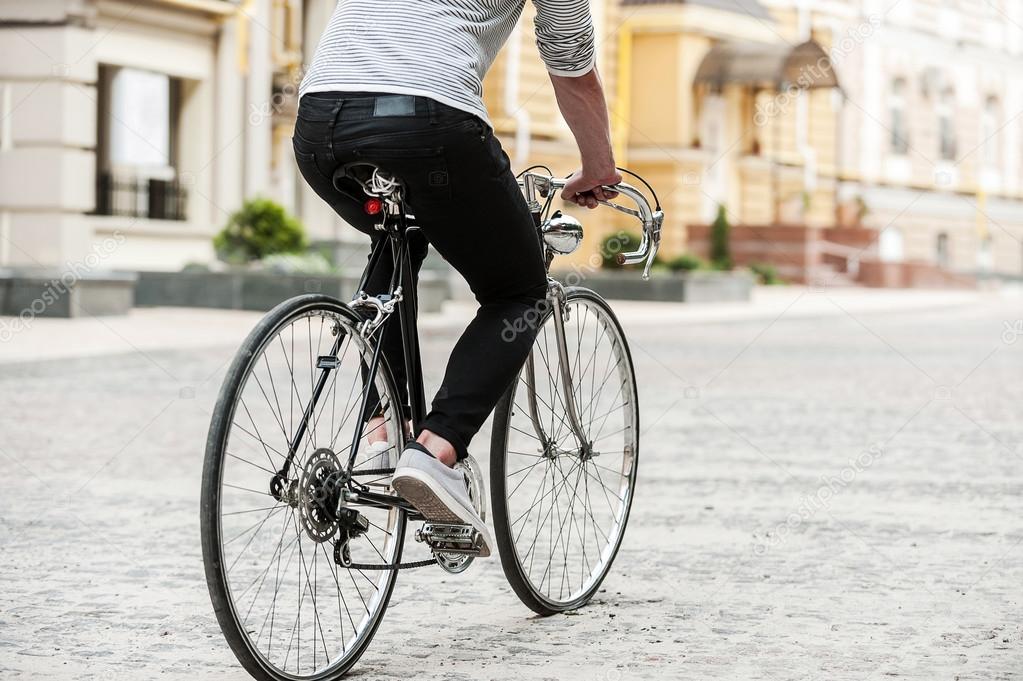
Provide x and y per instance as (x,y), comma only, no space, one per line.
(586,189)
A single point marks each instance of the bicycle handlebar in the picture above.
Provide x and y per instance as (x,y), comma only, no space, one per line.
(651,218)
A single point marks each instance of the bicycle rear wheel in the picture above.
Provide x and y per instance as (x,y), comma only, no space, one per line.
(288,607)
(561,507)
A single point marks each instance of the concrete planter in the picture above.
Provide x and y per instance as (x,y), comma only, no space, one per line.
(40,292)
(354,254)
(690,287)
(260,291)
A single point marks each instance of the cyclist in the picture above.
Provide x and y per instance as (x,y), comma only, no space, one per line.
(398,84)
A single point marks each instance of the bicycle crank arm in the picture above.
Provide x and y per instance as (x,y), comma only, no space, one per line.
(378,500)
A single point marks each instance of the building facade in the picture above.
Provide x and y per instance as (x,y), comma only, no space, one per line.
(933,131)
(150,120)
(889,131)
(883,131)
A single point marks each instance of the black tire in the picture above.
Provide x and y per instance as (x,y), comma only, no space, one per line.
(517,574)
(210,508)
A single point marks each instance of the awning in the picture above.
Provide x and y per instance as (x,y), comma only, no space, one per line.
(806,66)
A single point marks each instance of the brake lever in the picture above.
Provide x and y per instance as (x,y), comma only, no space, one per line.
(622,209)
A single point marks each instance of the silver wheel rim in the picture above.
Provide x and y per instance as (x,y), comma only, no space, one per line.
(579,506)
(301,615)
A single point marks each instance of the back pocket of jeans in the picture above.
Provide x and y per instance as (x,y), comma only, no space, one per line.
(309,166)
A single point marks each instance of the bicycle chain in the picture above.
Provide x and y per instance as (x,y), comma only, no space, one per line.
(399,566)
(373,471)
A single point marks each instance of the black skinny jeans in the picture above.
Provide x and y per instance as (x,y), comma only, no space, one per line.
(459,185)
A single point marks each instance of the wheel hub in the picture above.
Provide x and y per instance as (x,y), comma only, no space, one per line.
(319,494)
(552,451)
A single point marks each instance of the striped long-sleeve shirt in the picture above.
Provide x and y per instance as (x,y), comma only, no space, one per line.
(441,49)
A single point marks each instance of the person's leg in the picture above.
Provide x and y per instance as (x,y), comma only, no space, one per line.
(487,233)
(472,211)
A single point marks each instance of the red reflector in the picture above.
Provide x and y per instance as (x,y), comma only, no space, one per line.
(372,206)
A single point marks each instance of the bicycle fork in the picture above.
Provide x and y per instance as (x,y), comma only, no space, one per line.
(556,298)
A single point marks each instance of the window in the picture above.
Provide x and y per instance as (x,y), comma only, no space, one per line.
(985,256)
(136,145)
(899,122)
(948,145)
(990,124)
(941,250)
(890,248)
(948,18)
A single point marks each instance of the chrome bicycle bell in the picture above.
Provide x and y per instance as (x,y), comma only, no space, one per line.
(562,233)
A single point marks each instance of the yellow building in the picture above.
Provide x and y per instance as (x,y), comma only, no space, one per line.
(839,137)
(688,86)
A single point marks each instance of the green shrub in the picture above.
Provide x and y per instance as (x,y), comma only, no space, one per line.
(687,262)
(615,243)
(720,252)
(765,273)
(862,209)
(261,228)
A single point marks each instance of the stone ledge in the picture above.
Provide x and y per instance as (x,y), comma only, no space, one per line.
(43,292)
(260,291)
(690,287)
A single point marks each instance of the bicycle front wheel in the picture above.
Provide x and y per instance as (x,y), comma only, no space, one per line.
(561,505)
(282,553)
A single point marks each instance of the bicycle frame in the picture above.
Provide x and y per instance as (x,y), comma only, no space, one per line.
(556,299)
(396,240)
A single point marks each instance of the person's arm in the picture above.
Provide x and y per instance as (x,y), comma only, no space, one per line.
(564,37)
(581,100)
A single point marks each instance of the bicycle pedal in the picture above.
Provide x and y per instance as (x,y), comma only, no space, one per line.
(451,539)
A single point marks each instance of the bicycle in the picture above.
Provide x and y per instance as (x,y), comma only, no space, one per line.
(289,481)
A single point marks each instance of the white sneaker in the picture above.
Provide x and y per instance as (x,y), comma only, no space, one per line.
(438,492)
(378,454)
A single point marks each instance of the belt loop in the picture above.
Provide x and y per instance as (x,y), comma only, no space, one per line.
(338,105)
(431,107)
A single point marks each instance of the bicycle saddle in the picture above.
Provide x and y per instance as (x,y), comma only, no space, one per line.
(374,180)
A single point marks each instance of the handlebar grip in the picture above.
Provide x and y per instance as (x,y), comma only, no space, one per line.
(632,258)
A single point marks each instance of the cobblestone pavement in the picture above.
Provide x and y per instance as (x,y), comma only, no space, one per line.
(837,498)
